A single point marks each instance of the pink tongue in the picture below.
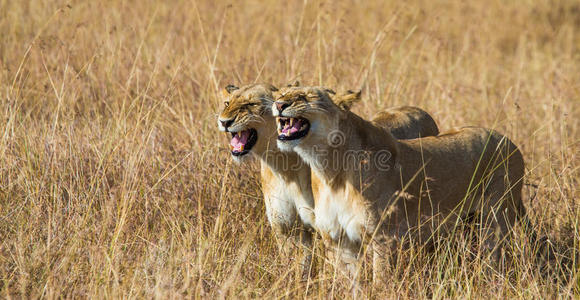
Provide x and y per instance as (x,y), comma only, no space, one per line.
(294,128)
(239,140)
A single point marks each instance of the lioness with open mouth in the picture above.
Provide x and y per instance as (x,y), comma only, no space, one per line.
(379,189)
(286,180)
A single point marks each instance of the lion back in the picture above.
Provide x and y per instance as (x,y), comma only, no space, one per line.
(406,122)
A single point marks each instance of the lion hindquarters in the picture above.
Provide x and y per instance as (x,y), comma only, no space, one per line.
(406,122)
(502,183)
(485,178)
(505,170)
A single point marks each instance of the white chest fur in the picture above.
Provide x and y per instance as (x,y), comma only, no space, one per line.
(288,202)
(336,212)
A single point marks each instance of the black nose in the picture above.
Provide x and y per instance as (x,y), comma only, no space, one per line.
(226,123)
(281,106)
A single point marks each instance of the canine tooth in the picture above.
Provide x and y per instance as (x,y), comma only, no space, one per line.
(291,121)
(241,147)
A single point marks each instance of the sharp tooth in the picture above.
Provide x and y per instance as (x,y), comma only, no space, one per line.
(291,122)
(242,148)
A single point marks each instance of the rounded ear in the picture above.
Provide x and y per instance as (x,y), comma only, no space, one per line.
(347,100)
(272,88)
(330,91)
(295,84)
(230,88)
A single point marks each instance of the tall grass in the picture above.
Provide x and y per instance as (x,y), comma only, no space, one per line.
(114,181)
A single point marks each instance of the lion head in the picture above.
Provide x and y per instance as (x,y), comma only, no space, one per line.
(307,114)
(248,118)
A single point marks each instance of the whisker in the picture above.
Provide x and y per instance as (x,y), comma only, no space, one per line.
(319,109)
(257,117)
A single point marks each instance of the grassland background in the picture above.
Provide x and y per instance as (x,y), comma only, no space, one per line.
(114,180)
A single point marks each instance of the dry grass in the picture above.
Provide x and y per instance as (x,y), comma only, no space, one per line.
(114,181)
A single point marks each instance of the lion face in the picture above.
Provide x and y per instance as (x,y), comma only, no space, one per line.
(304,115)
(248,118)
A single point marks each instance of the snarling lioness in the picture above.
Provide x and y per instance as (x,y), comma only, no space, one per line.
(378,189)
(286,180)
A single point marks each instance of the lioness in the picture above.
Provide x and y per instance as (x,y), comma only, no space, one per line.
(286,180)
(379,189)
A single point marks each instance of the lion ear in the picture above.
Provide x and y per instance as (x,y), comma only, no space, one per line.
(347,100)
(330,91)
(230,88)
(272,88)
(295,84)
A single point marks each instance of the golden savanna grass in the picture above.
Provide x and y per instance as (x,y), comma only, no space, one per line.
(114,181)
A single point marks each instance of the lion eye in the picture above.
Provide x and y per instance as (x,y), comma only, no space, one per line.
(227,103)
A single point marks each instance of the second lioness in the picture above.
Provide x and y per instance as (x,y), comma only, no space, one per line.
(377,190)
(285,179)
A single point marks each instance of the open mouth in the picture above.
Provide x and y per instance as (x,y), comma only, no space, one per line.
(243,141)
(292,128)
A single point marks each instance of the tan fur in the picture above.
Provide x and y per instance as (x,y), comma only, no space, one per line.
(406,121)
(376,188)
(285,178)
